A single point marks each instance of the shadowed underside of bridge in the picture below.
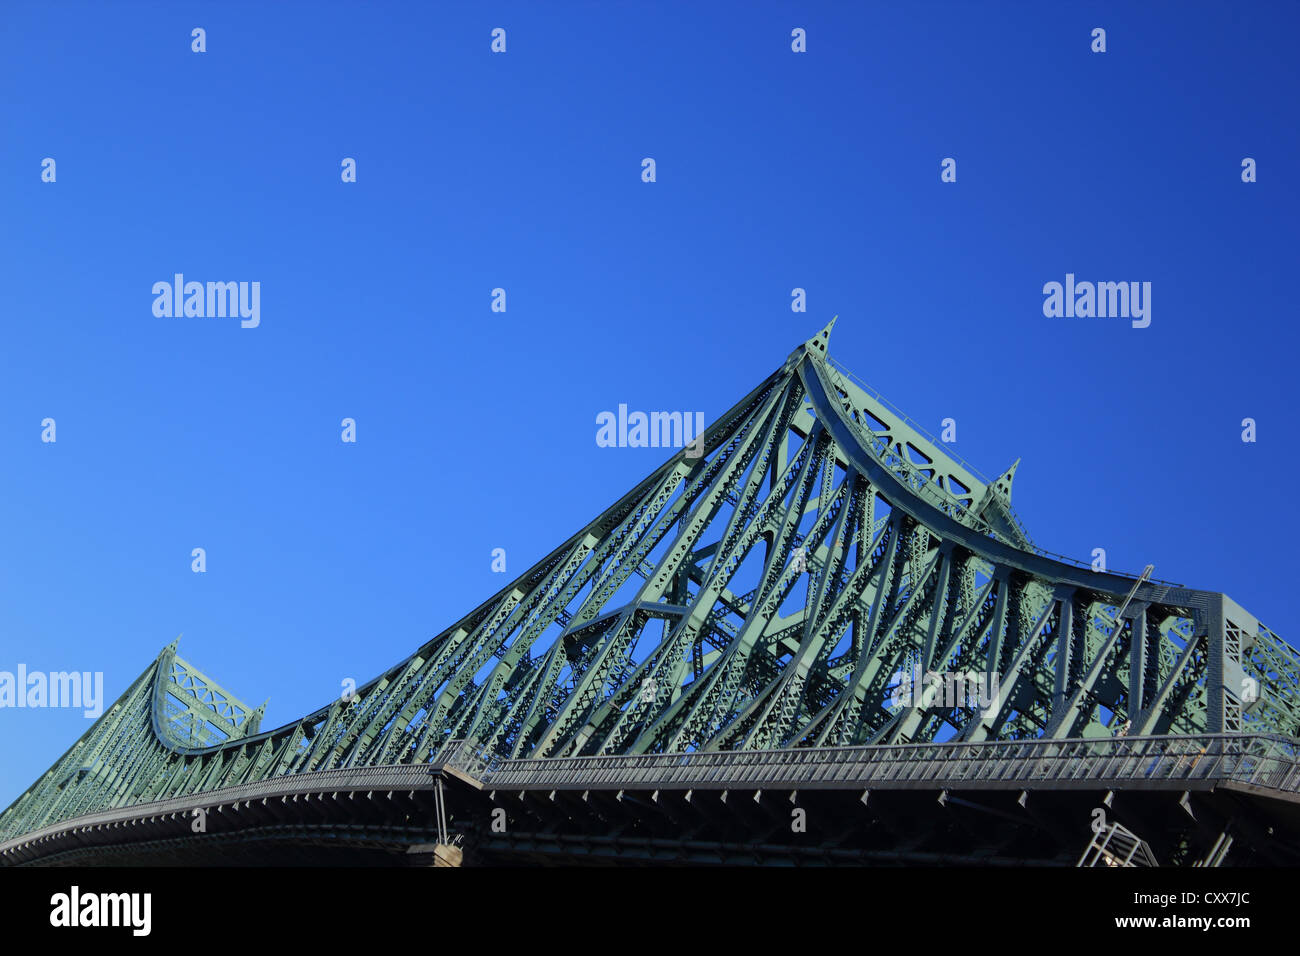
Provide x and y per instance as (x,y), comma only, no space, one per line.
(813,577)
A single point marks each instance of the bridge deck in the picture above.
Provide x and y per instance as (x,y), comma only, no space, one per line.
(1147,762)
(1262,764)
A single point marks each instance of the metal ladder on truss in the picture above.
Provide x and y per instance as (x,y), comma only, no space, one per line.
(1116,845)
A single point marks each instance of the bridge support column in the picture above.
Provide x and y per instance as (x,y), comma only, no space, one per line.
(1232,632)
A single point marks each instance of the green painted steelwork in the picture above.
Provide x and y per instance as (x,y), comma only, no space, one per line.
(770,592)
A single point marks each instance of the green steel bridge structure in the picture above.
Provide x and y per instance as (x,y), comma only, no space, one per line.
(749,657)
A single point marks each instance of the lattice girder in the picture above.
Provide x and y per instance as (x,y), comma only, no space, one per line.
(769,588)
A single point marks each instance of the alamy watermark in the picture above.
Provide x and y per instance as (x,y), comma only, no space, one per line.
(1102,300)
(215,300)
(75,908)
(56,689)
(653,430)
(947,689)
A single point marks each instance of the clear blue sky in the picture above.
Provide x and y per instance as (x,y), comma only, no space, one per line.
(476,430)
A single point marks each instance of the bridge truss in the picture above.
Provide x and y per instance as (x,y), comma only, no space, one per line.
(812,573)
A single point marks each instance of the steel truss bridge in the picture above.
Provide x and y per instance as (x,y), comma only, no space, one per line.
(748,658)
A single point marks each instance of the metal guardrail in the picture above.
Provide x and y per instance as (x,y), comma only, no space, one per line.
(464,756)
(390,777)
(1259,760)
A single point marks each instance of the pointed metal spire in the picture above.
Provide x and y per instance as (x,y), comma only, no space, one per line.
(1003,483)
(818,344)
